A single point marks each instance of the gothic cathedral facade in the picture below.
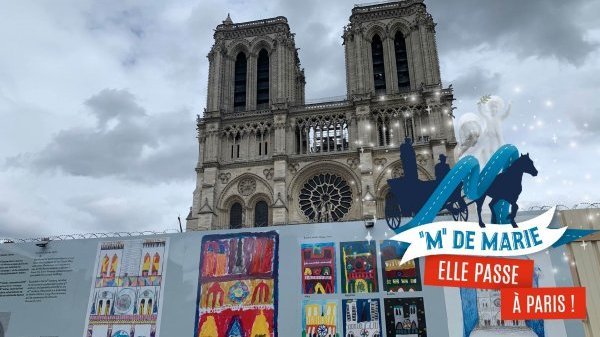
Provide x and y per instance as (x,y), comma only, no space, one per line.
(266,157)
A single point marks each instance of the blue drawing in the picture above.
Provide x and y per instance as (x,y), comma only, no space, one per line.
(361,317)
(409,193)
(481,313)
(235,328)
(507,186)
(422,200)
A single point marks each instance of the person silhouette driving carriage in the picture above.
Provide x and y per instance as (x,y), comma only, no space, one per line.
(409,193)
(442,168)
(409,159)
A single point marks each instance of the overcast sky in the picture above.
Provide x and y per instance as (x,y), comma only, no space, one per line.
(98,98)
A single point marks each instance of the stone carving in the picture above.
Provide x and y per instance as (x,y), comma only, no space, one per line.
(397,171)
(268,173)
(293,167)
(379,161)
(422,160)
(247,186)
(425,19)
(224,177)
(353,162)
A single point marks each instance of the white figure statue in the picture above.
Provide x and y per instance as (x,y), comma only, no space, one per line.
(481,135)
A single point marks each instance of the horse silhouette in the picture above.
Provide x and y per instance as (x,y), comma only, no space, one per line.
(507,186)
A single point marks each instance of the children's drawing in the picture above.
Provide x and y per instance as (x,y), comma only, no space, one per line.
(318,268)
(319,318)
(405,317)
(126,297)
(359,267)
(237,294)
(361,318)
(398,277)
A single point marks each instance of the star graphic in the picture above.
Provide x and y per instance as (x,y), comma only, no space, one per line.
(369,237)
(554,138)
(583,244)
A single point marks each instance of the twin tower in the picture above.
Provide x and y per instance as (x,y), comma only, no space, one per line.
(268,158)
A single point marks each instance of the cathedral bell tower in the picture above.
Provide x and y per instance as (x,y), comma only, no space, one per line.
(390,48)
(253,65)
(254,71)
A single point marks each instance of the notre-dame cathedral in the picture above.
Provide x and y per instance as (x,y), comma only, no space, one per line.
(266,157)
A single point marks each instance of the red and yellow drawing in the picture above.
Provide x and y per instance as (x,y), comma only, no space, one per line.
(238,286)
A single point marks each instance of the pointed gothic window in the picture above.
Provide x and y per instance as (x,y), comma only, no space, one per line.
(239,91)
(155,264)
(261,214)
(104,268)
(262,80)
(383,131)
(378,67)
(146,265)
(401,62)
(113,265)
(235,216)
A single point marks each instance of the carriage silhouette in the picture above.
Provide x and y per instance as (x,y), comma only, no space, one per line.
(415,192)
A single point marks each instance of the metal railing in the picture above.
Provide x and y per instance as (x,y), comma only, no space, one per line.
(99,235)
(561,207)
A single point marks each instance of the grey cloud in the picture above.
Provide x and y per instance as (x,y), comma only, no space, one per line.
(318,35)
(476,82)
(586,119)
(542,28)
(18,224)
(113,213)
(112,103)
(148,149)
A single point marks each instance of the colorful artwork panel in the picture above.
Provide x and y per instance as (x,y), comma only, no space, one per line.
(237,323)
(318,268)
(126,296)
(319,318)
(405,317)
(237,293)
(361,318)
(233,256)
(359,267)
(398,277)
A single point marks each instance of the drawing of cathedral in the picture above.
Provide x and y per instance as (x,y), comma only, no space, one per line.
(127,290)
(359,267)
(362,318)
(318,268)
(488,306)
(405,317)
(238,285)
(320,319)
(397,276)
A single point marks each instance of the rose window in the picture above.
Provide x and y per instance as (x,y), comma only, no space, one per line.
(325,197)
(322,330)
